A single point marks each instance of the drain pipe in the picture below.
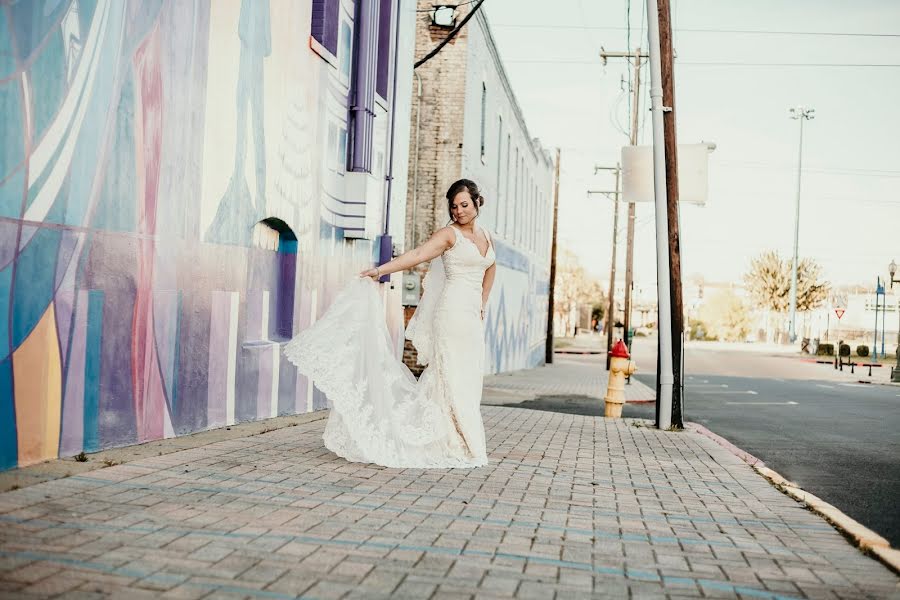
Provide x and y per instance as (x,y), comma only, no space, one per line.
(415,194)
(666,378)
(389,178)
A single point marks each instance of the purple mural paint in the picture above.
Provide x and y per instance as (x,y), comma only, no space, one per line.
(72,437)
(219,317)
(264,388)
(165,321)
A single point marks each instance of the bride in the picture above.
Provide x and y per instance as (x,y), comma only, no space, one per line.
(380,413)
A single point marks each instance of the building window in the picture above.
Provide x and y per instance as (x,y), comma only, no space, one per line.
(483,117)
(325,22)
(346,57)
(499,151)
(342,151)
(514,201)
(384,48)
(506,197)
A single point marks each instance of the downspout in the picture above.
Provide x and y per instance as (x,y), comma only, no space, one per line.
(389,178)
(416,158)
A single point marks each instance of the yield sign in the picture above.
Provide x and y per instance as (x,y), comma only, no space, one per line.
(839,312)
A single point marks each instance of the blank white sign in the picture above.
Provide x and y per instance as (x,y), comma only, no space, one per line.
(637,173)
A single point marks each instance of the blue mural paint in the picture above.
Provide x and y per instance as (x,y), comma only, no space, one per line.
(116,209)
(12,142)
(92,371)
(48,83)
(9,442)
(34,280)
(5,289)
(7,56)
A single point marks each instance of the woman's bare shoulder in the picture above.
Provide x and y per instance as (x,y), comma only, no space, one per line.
(445,234)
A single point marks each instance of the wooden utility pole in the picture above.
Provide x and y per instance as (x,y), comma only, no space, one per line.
(675,292)
(548,356)
(636,56)
(629,244)
(610,313)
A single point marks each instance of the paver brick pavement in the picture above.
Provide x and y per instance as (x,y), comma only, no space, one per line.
(569,507)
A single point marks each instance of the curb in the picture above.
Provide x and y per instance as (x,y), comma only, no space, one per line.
(864,538)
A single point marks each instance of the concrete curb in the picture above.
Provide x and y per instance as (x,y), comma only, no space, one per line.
(61,468)
(864,538)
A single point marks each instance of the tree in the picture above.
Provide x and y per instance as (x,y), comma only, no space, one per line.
(573,288)
(726,316)
(769,283)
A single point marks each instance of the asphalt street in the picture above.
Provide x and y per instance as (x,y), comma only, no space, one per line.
(837,438)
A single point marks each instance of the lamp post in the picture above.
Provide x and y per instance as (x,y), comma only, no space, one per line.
(800,113)
(895,371)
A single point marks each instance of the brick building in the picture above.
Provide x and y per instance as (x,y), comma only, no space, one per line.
(465,122)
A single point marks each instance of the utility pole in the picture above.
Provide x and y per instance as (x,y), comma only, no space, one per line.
(548,357)
(657,18)
(629,244)
(610,311)
(668,84)
(800,113)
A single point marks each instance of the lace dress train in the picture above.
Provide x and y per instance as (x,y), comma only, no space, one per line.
(380,413)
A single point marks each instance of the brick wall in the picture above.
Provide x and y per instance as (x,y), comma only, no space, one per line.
(440,136)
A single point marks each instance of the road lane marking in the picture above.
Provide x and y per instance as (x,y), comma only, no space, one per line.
(822,385)
(789,403)
(717,385)
(855,384)
(728,392)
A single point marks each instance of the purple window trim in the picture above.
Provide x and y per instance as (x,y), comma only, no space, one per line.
(362,86)
(384,48)
(325,23)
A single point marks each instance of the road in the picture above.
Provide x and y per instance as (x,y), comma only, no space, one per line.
(835,437)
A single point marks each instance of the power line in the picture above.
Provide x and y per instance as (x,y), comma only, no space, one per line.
(704,30)
(449,37)
(710,64)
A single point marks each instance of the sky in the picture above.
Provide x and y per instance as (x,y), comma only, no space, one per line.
(850,198)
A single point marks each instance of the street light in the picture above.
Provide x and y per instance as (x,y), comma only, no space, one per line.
(800,113)
(895,371)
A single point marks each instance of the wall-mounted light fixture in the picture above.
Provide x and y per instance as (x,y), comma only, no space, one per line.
(444,16)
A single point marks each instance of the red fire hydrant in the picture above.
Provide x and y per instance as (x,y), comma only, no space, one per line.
(620,366)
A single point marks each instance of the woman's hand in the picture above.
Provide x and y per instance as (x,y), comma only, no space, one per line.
(374,273)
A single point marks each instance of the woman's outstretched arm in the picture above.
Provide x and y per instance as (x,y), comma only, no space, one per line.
(435,246)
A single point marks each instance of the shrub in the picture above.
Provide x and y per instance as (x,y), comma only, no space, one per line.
(862,350)
(825,350)
(845,350)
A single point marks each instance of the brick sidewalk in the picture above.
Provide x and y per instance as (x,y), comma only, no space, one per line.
(568,375)
(569,507)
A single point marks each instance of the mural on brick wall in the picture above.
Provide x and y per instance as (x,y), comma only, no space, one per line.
(143,142)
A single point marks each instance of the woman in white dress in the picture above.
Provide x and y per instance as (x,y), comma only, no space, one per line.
(380,413)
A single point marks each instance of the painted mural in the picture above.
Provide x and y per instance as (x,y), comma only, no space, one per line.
(160,227)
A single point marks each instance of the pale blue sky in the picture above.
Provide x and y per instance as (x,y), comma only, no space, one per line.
(850,208)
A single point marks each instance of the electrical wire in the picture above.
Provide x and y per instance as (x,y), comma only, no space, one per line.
(705,30)
(710,64)
(449,37)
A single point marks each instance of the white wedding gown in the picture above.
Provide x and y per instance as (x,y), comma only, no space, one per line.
(380,413)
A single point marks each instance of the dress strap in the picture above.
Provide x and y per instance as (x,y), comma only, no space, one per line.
(487,236)
(456,234)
